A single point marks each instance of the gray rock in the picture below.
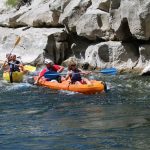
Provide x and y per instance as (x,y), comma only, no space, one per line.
(112,54)
(34,43)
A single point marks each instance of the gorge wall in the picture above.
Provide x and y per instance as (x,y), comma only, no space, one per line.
(104,33)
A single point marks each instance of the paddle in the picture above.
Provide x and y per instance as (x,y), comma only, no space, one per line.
(107,71)
(16,43)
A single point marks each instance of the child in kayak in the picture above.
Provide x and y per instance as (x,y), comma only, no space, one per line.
(74,74)
(50,72)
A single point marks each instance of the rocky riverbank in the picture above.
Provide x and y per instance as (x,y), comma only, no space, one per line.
(104,33)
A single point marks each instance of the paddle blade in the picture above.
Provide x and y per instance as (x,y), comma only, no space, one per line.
(17,40)
(111,71)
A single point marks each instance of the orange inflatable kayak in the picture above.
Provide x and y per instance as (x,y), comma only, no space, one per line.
(95,87)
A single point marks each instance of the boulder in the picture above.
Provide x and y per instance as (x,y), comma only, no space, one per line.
(144,59)
(103,5)
(112,54)
(58,5)
(34,42)
(94,24)
(131,19)
(40,17)
(72,12)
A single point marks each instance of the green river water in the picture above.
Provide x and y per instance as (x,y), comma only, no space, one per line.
(37,118)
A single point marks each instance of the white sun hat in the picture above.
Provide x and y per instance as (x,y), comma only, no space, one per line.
(48,61)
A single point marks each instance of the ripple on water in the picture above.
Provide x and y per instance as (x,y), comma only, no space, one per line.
(39,118)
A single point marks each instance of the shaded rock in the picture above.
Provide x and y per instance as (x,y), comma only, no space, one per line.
(103,5)
(136,15)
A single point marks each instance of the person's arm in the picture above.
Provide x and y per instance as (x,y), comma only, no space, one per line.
(68,75)
(84,72)
(41,74)
(4,65)
(60,69)
(37,80)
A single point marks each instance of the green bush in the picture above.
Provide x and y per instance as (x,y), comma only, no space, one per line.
(11,3)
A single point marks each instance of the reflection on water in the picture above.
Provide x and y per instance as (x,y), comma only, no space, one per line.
(38,118)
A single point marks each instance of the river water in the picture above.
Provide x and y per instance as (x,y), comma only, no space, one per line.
(37,118)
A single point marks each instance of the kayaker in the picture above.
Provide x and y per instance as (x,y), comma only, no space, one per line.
(74,74)
(15,65)
(50,72)
(11,65)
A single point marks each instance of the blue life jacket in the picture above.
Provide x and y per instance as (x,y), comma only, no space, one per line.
(51,75)
(75,76)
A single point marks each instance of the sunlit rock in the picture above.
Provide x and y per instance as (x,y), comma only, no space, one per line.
(34,43)
(72,12)
(132,19)
(110,54)
(94,24)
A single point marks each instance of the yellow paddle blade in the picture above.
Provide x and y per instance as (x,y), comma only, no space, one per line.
(17,40)
(30,68)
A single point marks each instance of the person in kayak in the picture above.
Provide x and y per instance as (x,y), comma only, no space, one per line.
(50,72)
(15,65)
(74,74)
(11,65)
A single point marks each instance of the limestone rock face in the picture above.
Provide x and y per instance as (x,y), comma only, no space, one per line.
(110,54)
(132,18)
(3,6)
(34,43)
(58,5)
(72,12)
(94,24)
(103,32)
(41,17)
(101,4)
(144,59)
(9,19)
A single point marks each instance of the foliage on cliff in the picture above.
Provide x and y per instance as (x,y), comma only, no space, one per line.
(12,3)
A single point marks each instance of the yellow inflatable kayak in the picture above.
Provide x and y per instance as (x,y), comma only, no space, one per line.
(16,76)
(95,87)
(30,68)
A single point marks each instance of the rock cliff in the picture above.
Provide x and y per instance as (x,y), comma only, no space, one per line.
(104,33)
